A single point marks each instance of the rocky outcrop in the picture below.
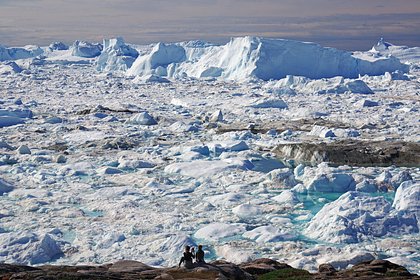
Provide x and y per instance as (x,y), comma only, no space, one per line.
(257,269)
(376,269)
(353,152)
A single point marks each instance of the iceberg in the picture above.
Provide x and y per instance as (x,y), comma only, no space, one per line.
(405,54)
(407,198)
(265,59)
(160,57)
(116,56)
(19,53)
(9,67)
(217,231)
(86,49)
(355,217)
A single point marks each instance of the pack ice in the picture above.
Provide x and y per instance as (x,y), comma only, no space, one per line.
(118,151)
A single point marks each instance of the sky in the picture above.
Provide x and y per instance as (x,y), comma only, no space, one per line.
(344,24)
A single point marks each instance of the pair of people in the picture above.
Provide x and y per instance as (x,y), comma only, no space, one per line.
(188,257)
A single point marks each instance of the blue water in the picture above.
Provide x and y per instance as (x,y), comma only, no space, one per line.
(69,236)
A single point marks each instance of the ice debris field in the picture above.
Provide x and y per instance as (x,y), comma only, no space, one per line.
(117,151)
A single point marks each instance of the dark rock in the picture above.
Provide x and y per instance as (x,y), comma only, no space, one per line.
(353,152)
(262,266)
(14,268)
(380,267)
(129,266)
(133,270)
(232,271)
(326,268)
(375,269)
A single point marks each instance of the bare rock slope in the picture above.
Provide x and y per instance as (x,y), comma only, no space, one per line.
(257,269)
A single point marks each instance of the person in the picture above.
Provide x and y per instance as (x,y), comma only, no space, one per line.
(199,256)
(187,258)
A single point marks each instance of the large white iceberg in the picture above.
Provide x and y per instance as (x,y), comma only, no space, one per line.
(19,53)
(157,61)
(86,49)
(355,217)
(407,198)
(116,55)
(243,58)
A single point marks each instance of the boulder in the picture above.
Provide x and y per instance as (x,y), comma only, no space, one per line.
(262,266)
(129,266)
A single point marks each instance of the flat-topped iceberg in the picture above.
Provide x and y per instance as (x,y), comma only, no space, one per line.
(86,49)
(262,58)
(19,53)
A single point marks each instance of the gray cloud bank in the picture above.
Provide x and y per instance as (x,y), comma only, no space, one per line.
(352,25)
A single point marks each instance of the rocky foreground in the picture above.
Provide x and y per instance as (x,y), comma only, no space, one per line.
(257,269)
